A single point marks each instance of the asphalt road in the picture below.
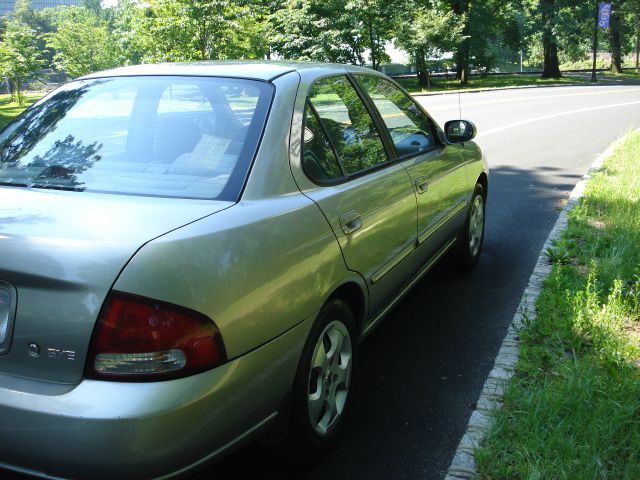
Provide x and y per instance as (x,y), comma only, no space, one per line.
(423,368)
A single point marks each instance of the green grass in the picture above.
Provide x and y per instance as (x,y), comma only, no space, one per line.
(572,411)
(9,109)
(505,81)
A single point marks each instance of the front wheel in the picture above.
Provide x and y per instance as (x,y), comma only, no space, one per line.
(321,390)
(472,234)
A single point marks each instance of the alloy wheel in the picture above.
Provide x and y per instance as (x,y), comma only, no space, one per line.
(476,225)
(329,377)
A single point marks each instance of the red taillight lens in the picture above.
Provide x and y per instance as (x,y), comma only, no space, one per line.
(137,338)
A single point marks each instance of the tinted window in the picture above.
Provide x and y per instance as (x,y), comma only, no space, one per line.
(348,124)
(319,161)
(189,137)
(410,128)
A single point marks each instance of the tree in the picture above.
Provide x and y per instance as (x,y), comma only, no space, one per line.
(481,32)
(428,33)
(333,30)
(38,21)
(125,23)
(624,31)
(375,27)
(82,42)
(19,56)
(24,13)
(183,30)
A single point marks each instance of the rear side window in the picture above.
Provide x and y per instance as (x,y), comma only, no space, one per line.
(191,137)
(348,124)
(410,129)
(318,160)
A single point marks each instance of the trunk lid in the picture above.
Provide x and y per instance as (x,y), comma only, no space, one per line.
(60,253)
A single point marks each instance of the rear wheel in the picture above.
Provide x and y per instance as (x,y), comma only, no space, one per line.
(321,391)
(472,235)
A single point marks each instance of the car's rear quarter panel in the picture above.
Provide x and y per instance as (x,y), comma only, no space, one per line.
(257,268)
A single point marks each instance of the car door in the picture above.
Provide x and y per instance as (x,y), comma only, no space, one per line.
(367,199)
(436,169)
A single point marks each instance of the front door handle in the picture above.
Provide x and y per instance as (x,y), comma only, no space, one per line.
(422,184)
(350,221)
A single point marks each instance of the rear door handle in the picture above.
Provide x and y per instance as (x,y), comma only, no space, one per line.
(422,184)
(350,221)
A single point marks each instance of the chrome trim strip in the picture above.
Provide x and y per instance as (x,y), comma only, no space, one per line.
(433,229)
(427,266)
(390,265)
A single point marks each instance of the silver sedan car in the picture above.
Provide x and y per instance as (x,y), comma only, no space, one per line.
(191,253)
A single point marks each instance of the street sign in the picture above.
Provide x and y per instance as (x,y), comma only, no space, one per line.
(604,15)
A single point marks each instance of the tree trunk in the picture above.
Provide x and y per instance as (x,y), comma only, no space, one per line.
(17,86)
(463,52)
(202,41)
(616,50)
(372,43)
(463,70)
(421,67)
(638,49)
(551,65)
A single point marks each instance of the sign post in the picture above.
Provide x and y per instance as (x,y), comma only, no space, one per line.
(602,20)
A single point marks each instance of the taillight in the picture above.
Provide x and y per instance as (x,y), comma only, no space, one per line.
(137,338)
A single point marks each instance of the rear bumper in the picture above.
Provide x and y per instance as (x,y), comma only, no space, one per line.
(147,430)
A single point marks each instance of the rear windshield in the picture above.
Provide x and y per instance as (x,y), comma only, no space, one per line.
(188,137)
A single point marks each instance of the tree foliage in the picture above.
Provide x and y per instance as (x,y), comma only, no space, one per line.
(19,55)
(478,34)
(194,30)
(82,41)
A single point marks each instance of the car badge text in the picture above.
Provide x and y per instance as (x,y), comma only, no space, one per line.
(61,354)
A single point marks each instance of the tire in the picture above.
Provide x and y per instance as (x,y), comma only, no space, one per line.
(472,235)
(322,387)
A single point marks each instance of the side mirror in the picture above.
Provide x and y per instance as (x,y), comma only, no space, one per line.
(459,131)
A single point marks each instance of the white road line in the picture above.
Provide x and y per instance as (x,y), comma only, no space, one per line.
(555,115)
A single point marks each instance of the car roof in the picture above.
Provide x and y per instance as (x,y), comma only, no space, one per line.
(259,70)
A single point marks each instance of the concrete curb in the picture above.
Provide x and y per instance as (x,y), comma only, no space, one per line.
(463,465)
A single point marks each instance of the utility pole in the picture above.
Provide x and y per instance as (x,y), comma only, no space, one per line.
(638,47)
(602,20)
(595,44)
(521,61)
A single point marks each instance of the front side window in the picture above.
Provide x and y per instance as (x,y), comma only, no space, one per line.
(410,129)
(348,124)
(188,137)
